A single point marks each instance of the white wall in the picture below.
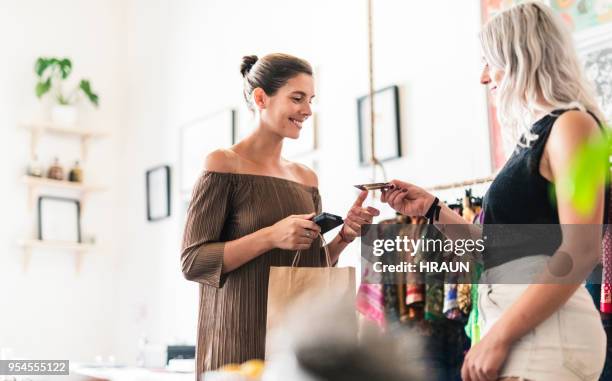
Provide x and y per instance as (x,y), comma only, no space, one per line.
(433,55)
(194,65)
(150,283)
(50,310)
(161,63)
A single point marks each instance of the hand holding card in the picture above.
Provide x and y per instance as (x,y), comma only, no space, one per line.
(407,199)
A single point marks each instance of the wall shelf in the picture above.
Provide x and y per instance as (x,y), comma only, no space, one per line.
(58,129)
(38,244)
(36,185)
(35,182)
(77,248)
(84,134)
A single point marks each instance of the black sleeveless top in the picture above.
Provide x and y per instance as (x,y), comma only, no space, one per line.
(521,195)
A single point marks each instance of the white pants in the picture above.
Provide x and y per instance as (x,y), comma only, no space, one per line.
(569,345)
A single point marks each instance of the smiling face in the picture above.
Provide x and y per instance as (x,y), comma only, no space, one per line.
(491,78)
(286,110)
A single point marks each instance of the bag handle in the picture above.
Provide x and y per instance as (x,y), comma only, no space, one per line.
(296,258)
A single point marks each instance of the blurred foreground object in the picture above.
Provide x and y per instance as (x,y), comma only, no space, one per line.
(319,341)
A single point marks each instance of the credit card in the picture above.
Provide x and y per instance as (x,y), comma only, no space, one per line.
(373,186)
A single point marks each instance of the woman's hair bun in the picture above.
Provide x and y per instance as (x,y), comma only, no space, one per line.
(247,64)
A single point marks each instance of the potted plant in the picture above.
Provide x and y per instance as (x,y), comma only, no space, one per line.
(52,72)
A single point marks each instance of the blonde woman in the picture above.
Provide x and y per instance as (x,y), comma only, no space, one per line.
(537,332)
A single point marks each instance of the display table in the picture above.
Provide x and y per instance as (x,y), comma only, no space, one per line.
(85,373)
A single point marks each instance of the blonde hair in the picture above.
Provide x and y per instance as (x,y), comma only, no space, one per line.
(536,52)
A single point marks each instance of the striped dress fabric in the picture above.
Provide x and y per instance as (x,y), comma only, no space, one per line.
(232,312)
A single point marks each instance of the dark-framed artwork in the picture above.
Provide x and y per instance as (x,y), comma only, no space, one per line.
(387,125)
(198,138)
(59,219)
(158,182)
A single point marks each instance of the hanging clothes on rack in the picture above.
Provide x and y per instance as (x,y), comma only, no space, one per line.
(370,302)
(606,281)
(457,294)
(426,296)
(434,305)
(472,328)
(414,287)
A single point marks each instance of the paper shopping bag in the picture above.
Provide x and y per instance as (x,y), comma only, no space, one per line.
(291,288)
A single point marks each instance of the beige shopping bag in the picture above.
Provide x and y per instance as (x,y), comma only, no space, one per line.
(292,288)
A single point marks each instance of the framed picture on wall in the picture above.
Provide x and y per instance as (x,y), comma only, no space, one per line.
(598,67)
(387,125)
(595,51)
(59,219)
(198,138)
(582,15)
(158,183)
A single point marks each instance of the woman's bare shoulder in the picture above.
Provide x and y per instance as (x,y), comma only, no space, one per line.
(572,129)
(303,174)
(222,160)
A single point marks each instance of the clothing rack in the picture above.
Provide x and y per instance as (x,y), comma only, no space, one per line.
(462,184)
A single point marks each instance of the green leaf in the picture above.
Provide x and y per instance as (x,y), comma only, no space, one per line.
(586,175)
(86,87)
(54,66)
(41,65)
(43,87)
(65,66)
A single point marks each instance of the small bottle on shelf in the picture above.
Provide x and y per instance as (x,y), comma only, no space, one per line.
(35,169)
(56,172)
(76,173)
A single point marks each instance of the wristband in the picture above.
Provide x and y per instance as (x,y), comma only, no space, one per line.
(433,213)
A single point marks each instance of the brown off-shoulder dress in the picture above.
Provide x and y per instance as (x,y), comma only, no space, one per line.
(225,207)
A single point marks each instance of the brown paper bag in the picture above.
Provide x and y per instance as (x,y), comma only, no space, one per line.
(295,287)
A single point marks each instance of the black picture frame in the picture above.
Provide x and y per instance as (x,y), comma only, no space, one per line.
(43,220)
(387,101)
(158,185)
